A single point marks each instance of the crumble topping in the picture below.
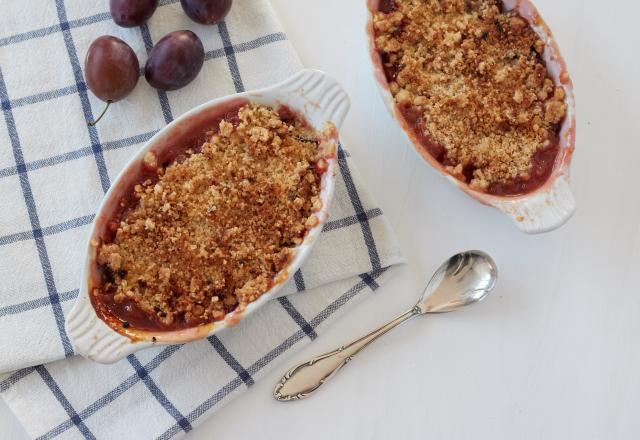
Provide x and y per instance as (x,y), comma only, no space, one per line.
(213,230)
(476,77)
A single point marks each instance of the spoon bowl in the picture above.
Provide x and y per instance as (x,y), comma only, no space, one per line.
(466,278)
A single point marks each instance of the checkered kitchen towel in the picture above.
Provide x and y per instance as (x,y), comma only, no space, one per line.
(54,171)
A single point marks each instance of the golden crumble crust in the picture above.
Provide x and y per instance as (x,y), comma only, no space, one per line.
(476,76)
(211,233)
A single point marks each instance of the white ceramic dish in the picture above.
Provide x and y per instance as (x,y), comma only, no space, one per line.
(551,205)
(312,94)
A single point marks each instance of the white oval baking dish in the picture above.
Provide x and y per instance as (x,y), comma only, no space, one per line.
(551,205)
(312,94)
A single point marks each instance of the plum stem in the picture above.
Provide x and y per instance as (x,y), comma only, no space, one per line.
(92,123)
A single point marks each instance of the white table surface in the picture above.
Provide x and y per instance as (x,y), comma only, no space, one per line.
(553,353)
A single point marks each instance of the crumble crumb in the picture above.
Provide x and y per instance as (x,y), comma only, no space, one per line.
(212,232)
(476,76)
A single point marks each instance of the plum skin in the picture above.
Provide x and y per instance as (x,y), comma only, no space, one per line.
(130,13)
(206,11)
(174,61)
(111,68)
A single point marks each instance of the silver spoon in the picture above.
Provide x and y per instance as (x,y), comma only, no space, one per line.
(464,279)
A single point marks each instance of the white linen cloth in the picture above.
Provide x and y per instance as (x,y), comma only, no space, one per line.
(53,172)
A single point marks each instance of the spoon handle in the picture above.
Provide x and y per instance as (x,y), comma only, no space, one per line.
(304,379)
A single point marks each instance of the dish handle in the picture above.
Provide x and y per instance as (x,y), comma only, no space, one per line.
(322,97)
(93,339)
(543,211)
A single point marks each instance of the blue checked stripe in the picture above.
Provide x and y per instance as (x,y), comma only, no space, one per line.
(34,219)
(43,32)
(36,303)
(64,402)
(231,57)
(249,45)
(44,96)
(269,357)
(359,210)
(230,360)
(370,281)
(15,377)
(77,154)
(298,278)
(348,221)
(84,97)
(162,95)
(297,317)
(49,230)
(158,394)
